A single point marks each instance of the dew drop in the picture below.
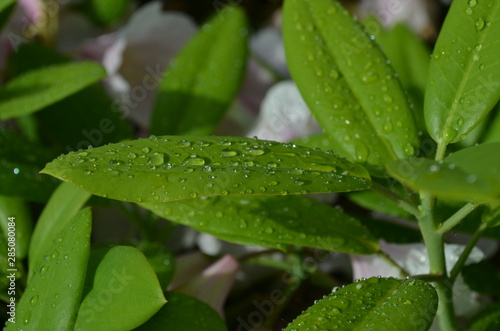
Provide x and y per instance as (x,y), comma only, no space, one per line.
(145,150)
(194,160)
(269,230)
(34,300)
(227,152)
(480,24)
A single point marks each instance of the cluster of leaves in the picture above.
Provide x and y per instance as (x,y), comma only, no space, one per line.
(382,122)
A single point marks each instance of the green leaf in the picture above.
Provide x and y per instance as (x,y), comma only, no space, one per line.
(37,89)
(52,297)
(374,201)
(464,73)
(204,78)
(445,180)
(373,304)
(482,277)
(175,167)
(125,293)
(6,7)
(17,208)
(62,206)
(488,320)
(271,222)
(492,134)
(162,261)
(345,80)
(20,162)
(184,313)
(106,12)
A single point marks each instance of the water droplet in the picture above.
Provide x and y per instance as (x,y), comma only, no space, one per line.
(359,286)
(227,152)
(34,300)
(194,160)
(334,74)
(145,150)
(27,318)
(472,3)
(409,149)
(388,126)
(269,230)
(388,98)
(460,121)
(156,159)
(243,224)
(480,24)
(299,182)
(481,67)
(469,11)
(256,152)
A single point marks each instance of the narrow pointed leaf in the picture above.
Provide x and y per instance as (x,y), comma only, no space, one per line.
(464,73)
(19,209)
(125,293)
(204,78)
(175,167)
(37,89)
(346,82)
(53,295)
(62,206)
(446,180)
(373,304)
(184,313)
(271,222)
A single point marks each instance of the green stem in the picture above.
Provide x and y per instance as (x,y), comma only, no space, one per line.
(397,199)
(441,150)
(457,268)
(457,217)
(389,260)
(434,243)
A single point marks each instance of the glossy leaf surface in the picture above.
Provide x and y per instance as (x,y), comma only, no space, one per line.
(53,295)
(15,207)
(443,180)
(175,167)
(184,313)
(62,206)
(346,82)
(373,304)
(464,73)
(37,89)
(204,78)
(271,222)
(125,292)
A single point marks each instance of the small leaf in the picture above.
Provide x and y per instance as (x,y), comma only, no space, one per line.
(464,73)
(175,167)
(62,206)
(373,201)
(346,82)
(271,222)
(184,313)
(106,12)
(125,293)
(52,297)
(20,162)
(37,89)
(202,81)
(19,209)
(445,180)
(373,304)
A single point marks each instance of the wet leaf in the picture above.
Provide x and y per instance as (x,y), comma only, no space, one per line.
(373,304)
(346,82)
(203,80)
(53,295)
(271,222)
(37,89)
(175,167)
(184,313)
(445,180)
(464,73)
(124,295)
(62,206)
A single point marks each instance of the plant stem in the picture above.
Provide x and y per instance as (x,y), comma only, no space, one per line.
(397,199)
(441,150)
(389,260)
(457,217)
(434,243)
(457,268)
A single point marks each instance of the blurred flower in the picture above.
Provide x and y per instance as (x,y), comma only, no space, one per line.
(413,258)
(284,115)
(211,285)
(137,55)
